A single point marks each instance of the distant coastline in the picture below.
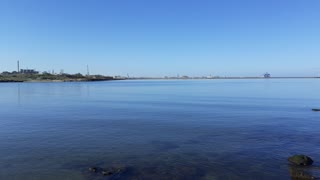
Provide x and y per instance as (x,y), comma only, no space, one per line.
(217,78)
(11,78)
(80,78)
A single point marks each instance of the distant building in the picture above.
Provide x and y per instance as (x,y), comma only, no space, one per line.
(28,71)
(267,75)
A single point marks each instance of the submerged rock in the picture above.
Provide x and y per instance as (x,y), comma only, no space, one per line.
(300,160)
(300,174)
(111,171)
(106,173)
(315,109)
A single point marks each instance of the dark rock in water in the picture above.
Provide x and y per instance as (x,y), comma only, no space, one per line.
(300,174)
(106,173)
(315,109)
(93,169)
(111,171)
(300,160)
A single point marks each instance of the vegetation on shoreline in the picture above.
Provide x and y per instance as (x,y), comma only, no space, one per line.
(12,77)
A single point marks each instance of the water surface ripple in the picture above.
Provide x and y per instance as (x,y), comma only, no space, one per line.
(174,129)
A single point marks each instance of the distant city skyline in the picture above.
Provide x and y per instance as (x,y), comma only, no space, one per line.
(162,38)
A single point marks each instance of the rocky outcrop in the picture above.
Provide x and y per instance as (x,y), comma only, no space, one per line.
(300,160)
(106,172)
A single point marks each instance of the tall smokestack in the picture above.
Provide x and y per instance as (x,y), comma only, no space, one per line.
(18,66)
(88,70)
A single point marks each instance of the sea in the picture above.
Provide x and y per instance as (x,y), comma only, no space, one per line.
(228,129)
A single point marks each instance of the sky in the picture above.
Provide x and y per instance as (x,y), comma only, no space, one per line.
(162,37)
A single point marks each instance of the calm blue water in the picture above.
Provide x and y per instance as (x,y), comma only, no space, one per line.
(203,129)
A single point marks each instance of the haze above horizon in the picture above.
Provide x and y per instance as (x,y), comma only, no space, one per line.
(162,38)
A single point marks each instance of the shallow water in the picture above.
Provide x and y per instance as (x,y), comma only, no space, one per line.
(185,129)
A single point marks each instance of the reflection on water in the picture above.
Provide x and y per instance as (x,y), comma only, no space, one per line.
(19,94)
(217,129)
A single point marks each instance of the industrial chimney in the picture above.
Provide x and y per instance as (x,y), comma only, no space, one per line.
(18,67)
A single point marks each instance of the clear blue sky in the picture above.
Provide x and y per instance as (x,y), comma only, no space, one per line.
(162,37)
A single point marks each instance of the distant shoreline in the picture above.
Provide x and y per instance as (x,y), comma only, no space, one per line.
(222,78)
(113,79)
(48,81)
(19,78)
